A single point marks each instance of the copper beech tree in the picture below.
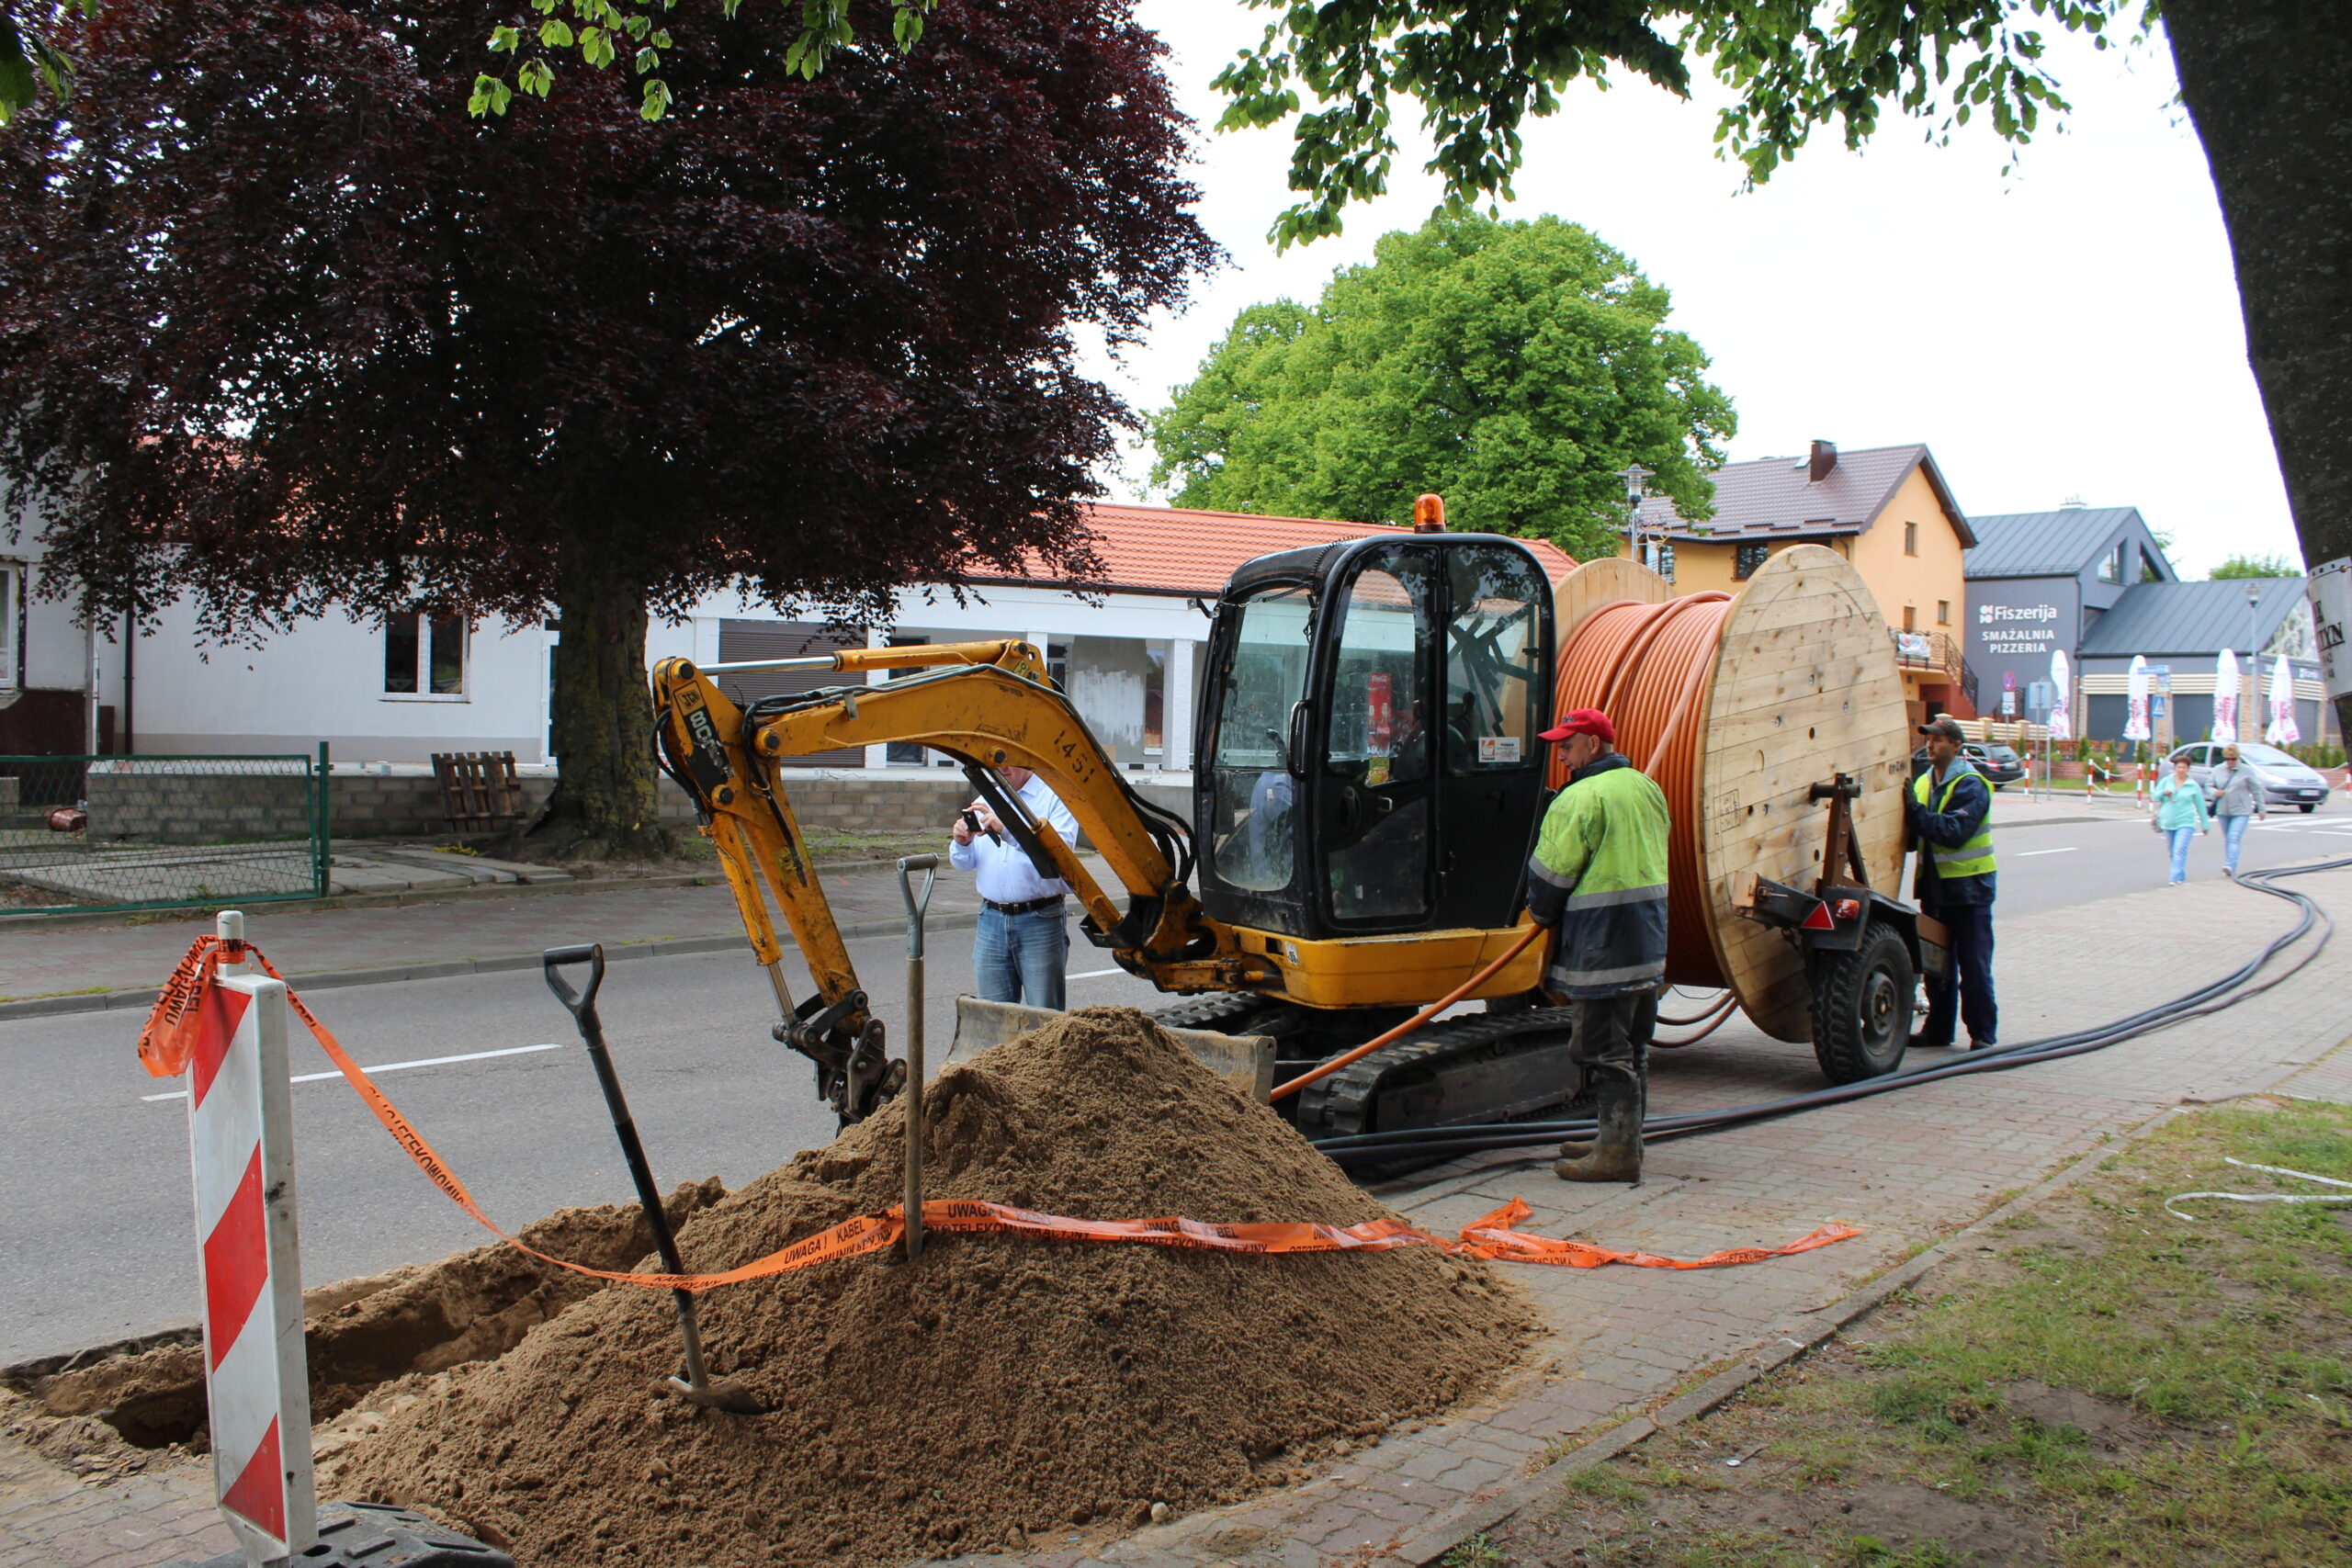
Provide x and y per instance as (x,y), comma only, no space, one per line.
(282,328)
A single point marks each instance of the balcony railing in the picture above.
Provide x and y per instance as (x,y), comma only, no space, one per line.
(1931,650)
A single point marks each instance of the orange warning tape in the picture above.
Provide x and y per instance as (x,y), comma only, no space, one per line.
(168,1041)
(1491,1236)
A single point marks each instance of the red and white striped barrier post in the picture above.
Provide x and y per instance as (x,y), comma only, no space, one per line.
(241,1141)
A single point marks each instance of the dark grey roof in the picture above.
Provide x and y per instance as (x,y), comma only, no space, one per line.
(1772,498)
(2045,543)
(2188,618)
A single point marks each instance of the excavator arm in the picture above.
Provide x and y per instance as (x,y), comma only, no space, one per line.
(987,704)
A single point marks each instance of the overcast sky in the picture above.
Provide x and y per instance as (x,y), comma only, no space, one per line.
(2070,328)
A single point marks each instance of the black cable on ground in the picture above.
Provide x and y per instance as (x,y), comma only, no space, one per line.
(2228,991)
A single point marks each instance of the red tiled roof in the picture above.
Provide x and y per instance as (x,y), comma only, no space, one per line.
(1166,549)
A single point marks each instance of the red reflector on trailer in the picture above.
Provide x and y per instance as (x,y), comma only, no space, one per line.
(1848,908)
(1819,920)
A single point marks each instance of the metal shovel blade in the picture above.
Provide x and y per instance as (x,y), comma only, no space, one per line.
(719,1393)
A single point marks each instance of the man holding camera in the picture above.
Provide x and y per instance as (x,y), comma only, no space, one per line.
(1022,948)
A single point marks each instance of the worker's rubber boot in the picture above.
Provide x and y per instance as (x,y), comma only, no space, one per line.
(1616,1155)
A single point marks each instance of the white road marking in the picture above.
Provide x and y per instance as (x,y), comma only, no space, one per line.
(1093,974)
(2025,854)
(390,1067)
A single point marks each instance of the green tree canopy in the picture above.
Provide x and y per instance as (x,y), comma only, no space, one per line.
(2238,567)
(1511,367)
(2266,83)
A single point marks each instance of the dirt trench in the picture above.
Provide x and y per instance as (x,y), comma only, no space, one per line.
(473,1306)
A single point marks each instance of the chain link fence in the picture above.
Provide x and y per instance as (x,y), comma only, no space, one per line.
(160,832)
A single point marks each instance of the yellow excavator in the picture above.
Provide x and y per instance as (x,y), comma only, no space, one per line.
(1368,782)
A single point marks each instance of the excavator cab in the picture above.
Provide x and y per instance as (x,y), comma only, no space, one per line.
(1369,762)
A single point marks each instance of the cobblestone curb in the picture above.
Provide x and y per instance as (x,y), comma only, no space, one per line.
(386,900)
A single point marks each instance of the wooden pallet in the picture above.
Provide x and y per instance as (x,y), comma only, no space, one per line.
(479,790)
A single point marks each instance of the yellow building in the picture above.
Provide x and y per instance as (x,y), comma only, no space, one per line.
(1887,509)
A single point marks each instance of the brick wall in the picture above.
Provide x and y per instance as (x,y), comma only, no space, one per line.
(156,807)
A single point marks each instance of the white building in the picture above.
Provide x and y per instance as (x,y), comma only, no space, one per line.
(1130,660)
(46,664)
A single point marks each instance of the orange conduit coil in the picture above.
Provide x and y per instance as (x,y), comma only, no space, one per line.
(1646,666)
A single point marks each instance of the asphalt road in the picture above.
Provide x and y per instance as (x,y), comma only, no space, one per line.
(95,1228)
(2052,865)
(95,1225)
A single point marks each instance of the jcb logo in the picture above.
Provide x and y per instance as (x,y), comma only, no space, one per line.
(709,763)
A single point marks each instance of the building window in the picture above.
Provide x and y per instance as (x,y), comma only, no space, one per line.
(2110,568)
(1910,538)
(1943,612)
(1155,700)
(1658,556)
(1910,618)
(1746,559)
(12,611)
(424,656)
(2148,572)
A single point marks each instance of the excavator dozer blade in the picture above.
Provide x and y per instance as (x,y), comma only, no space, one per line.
(1244,1061)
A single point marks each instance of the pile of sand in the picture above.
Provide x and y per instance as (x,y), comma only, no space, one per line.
(1000,1387)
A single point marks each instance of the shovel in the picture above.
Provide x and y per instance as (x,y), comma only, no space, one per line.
(911,1210)
(696,1387)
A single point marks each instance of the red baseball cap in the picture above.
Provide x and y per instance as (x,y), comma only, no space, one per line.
(1582,721)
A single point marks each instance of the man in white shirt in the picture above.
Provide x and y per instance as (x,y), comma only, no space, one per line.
(1023,945)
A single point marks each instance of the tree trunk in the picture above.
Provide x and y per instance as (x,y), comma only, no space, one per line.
(606,803)
(2268,84)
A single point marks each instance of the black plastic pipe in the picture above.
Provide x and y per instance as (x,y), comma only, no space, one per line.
(1422,1142)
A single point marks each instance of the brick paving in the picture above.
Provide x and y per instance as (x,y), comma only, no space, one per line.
(1908,1168)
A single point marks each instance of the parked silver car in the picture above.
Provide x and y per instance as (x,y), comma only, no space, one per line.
(2285,781)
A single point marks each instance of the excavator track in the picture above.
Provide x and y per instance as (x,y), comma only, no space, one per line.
(1220,1011)
(1497,1067)
(1483,1068)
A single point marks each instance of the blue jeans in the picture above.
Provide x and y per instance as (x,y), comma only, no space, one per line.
(1020,958)
(1971,998)
(2180,837)
(2232,835)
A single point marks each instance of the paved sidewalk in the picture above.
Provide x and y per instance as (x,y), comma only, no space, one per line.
(1908,1167)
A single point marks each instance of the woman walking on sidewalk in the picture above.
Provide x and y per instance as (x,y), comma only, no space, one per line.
(2238,802)
(2180,814)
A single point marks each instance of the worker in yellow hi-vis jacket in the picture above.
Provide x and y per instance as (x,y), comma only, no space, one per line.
(1598,873)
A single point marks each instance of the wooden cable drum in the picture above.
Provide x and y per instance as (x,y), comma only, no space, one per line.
(1737,705)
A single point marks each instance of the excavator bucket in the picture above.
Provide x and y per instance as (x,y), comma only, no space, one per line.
(1244,1061)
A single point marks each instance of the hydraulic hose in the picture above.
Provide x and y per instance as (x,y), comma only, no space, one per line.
(2228,991)
(1709,1022)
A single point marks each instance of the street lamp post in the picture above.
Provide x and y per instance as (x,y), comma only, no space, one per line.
(2253,658)
(1636,477)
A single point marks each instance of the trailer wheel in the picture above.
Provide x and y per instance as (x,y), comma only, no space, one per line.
(1861,1007)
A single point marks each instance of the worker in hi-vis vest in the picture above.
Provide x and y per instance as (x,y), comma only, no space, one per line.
(1598,873)
(1946,811)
